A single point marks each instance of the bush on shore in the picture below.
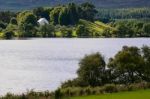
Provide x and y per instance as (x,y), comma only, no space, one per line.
(108,88)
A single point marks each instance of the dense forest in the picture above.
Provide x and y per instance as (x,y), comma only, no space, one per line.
(124,13)
(16,5)
(76,20)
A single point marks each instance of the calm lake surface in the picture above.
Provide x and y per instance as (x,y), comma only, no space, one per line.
(43,64)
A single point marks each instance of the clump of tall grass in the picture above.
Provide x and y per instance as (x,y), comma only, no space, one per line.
(29,95)
(78,91)
(109,88)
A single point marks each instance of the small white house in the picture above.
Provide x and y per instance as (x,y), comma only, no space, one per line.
(43,21)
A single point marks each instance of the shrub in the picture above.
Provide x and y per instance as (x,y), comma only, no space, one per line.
(110,88)
(121,87)
(88,90)
(8,34)
(13,21)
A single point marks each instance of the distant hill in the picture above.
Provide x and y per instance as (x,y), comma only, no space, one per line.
(28,4)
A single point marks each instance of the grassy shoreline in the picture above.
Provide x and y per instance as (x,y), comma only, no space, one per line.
(136,94)
(121,95)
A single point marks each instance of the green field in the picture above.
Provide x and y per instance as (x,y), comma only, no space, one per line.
(142,94)
(95,27)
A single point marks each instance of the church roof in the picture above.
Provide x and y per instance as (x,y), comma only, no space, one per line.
(43,21)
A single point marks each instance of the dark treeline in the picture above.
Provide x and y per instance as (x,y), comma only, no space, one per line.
(28,4)
(132,28)
(71,13)
(124,13)
(5,16)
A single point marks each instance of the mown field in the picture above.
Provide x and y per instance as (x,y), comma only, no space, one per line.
(142,94)
(96,26)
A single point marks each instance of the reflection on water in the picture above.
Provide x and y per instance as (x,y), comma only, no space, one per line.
(42,64)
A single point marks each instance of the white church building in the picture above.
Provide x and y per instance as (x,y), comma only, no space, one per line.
(43,21)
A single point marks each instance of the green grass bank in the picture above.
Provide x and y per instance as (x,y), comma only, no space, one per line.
(141,94)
